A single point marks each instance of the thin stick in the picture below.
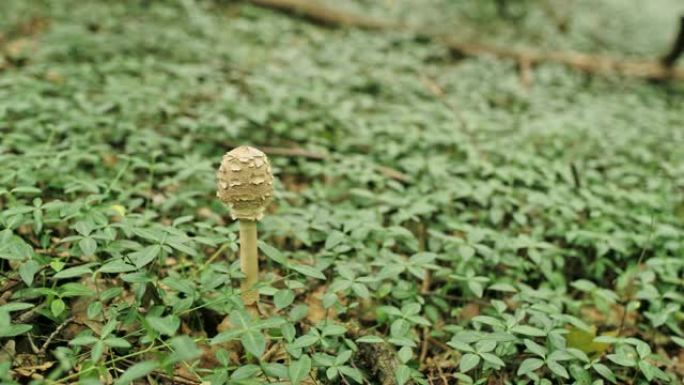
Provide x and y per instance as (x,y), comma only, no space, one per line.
(52,335)
(424,347)
(29,315)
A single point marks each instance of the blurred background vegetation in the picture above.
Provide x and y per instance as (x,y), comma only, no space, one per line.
(484,192)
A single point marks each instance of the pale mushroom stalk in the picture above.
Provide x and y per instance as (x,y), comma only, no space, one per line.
(249,260)
(245,184)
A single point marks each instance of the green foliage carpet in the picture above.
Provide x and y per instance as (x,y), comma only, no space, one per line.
(436,220)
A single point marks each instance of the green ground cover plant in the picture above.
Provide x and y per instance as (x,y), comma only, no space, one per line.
(435,220)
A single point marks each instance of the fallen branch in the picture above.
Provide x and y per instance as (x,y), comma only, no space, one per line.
(52,335)
(321,14)
(593,64)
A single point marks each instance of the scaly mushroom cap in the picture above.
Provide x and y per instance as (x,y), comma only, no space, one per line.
(245,182)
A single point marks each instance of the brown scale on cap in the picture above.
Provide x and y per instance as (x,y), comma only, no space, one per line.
(245,182)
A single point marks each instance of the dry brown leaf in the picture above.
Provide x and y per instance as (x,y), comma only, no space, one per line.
(317,312)
(469,311)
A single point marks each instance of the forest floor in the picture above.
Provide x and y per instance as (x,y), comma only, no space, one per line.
(441,215)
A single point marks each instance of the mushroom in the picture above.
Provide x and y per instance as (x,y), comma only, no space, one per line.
(245,184)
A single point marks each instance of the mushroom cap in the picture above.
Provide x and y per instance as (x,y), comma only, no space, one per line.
(245,182)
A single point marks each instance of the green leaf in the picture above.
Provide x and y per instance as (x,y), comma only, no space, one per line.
(28,270)
(370,340)
(273,369)
(179,284)
(254,342)
(117,266)
(402,374)
(240,319)
(272,253)
(94,309)
(145,256)
(283,298)
(460,345)
(643,350)
(83,227)
(136,371)
(557,369)
(405,354)
(476,288)
(334,238)
(97,350)
(116,342)
(343,357)
(331,373)
(164,325)
(504,287)
(605,372)
(182,247)
(26,190)
(15,306)
(352,373)
(57,306)
(13,247)
(622,360)
(75,289)
(245,372)
(487,320)
(305,341)
(72,272)
(678,341)
(226,336)
(109,328)
(88,245)
(493,360)
(529,365)
(360,290)
(580,375)
(333,330)
(184,349)
(308,270)
(651,372)
(528,331)
(83,340)
(15,330)
(485,346)
(299,369)
(535,348)
(468,361)
(268,323)
(466,252)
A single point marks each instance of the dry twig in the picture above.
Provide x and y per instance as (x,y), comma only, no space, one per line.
(52,335)
(321,14)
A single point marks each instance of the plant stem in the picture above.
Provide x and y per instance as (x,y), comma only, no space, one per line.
(249,261)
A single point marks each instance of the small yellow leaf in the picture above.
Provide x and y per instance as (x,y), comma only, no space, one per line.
(120,210)
(584,340)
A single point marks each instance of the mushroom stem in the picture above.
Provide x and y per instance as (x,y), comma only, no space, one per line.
(249,261)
